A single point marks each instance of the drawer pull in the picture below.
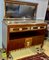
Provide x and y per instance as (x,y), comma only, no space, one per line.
(20,29)
(38,27)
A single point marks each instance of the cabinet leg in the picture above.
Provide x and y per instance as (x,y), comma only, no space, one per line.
(7,54)
(42,44)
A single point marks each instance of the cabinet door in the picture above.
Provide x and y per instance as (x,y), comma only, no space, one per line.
(11,45)
(37,40)
(16,44)
(20,43)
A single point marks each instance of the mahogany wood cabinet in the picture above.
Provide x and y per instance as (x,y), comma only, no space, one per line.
(17,36)
(17,33)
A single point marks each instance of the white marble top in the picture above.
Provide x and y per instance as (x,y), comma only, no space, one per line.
(23,21)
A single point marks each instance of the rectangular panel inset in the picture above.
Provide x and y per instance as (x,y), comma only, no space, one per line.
(28,42)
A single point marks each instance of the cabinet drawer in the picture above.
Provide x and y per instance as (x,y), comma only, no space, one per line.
(19,29)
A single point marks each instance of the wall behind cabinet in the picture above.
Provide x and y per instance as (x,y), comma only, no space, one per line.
(1,18)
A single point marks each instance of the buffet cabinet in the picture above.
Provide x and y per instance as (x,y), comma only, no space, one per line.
(17,36)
